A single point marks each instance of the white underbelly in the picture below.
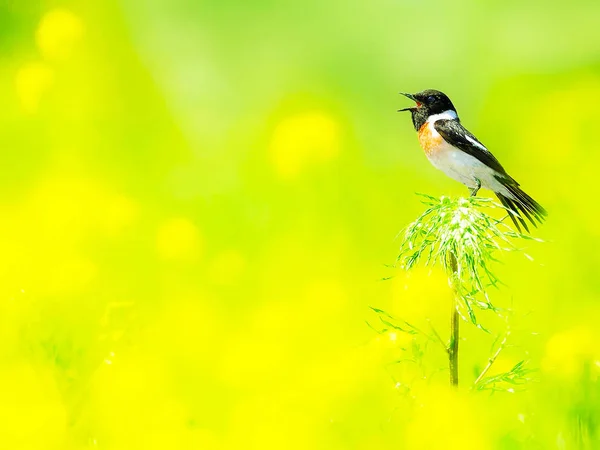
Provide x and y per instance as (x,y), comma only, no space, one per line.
(464,168)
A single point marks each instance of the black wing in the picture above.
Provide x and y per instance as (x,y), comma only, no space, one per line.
(458,136)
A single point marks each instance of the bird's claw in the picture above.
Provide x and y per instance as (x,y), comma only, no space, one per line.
(476,188)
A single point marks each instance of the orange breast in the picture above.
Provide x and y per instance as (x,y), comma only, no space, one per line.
(428,141)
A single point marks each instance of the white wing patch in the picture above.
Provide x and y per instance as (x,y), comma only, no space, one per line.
(475,143)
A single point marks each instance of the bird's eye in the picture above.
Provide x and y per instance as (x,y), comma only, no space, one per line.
(430,99)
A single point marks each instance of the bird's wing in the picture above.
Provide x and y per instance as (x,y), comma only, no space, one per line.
(458,136)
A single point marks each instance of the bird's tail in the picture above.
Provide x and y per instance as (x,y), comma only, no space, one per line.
(521,206)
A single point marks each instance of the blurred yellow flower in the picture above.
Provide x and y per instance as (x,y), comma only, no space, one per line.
(256,353)
(67,274)
(420,294)
(188,329)
(134,405)
(445,419)
(58,33)
(227,267)
(569,352)
(32,81)
(41,238)
(119,212)
(178,239)
(302,140)
(259,422)
(33,413)
(202,439)
(324,299)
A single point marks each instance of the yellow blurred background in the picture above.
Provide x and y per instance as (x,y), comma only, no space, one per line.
(200,198)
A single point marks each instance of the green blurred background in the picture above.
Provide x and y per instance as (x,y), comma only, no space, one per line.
(200,197)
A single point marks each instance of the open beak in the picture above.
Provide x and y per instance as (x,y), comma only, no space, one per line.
(412,97)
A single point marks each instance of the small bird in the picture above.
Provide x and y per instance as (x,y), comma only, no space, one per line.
(451,148)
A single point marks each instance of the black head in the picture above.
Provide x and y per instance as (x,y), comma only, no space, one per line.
(428,103)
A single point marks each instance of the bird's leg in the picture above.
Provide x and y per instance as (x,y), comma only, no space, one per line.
(476,188)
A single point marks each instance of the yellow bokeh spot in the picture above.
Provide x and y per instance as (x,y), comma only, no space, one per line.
(31,82)
(202,439)
(119,212)
(569,352)
(134,406)
(178,239)
(58,33)
(325,299)
(188,330)
(69,275)
(30,396)
(420,294)
(566,137)
(227,267)
(260,423)
(453,418)
(43,237)
(303,140)
(242,362)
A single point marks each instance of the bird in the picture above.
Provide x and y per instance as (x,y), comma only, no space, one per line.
(451,148)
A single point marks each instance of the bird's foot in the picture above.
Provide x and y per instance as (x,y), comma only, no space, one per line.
(476,188)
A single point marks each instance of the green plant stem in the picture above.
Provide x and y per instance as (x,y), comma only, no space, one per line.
(437,335)
(492,360)
(454,325)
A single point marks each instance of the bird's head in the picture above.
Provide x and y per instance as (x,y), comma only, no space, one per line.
(428,103)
